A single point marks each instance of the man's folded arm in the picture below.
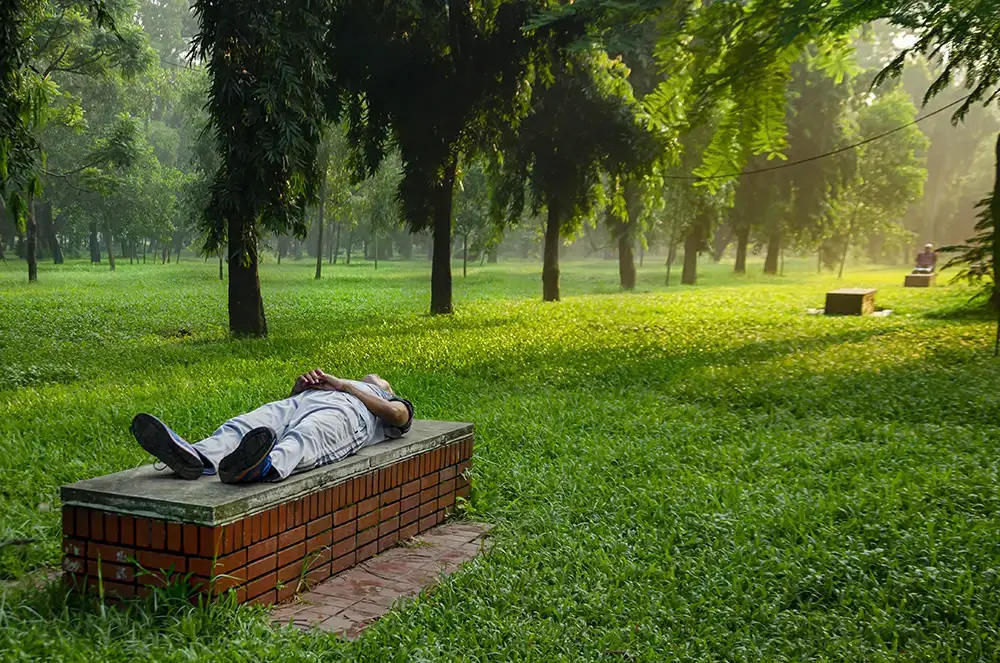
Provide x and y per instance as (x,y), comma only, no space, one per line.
(396,413)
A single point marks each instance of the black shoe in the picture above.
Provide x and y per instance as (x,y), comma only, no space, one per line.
(251,461)
(167,446)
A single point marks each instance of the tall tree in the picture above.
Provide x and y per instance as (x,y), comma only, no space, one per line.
(267,117)
(436,80)
(583,125)
(890,174)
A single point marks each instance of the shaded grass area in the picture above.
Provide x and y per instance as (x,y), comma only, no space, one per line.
(704,473)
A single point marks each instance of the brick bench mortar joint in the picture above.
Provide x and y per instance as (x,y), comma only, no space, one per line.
(126,532)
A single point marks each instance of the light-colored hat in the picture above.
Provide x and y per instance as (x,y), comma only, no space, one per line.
(929,246)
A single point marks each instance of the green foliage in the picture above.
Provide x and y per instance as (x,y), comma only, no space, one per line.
(584,124)
(891,172)
(974,259)
(432,80)
(266,113)
(701,475)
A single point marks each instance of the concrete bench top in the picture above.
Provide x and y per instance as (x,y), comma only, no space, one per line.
(853,291)
(146,492)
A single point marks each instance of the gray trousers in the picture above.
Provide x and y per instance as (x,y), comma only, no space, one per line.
(307,430)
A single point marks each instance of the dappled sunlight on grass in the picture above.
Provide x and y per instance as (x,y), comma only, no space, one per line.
(678,473)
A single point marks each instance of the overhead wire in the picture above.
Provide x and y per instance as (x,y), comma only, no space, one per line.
(799,162)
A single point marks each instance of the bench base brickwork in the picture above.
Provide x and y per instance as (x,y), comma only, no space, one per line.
(265,555)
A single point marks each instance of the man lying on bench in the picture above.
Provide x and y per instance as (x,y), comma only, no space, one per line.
(325,419)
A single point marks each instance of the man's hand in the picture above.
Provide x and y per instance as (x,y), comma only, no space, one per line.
(317,380)
(331,383)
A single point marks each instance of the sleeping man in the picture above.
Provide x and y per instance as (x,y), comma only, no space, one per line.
(325,419)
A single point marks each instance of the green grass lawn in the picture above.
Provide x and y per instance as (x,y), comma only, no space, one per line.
(703,473)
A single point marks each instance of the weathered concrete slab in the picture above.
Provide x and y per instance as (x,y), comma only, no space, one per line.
(921,280)
(850,301)
(146,492)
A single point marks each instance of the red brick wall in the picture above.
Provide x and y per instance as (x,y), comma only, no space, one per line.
(264,556)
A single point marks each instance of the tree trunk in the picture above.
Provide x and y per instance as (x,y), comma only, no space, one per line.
(31,243)
(642,255)
(441,262)
(626,258)
(375,242)
(550,256)
(995,211)
(50,233)
(246,307)
(465,255)
(494,256)
(321,221)
(723,237)
(95,245)
(336,245)
(109,243)
(143,250)
(672,249)
(222,276)
(742,239)
(166,256)
(847,241)
(773,253)
(692,245)
(350,245)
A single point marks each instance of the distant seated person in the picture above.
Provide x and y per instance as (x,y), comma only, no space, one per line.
(324,420)
(926,261)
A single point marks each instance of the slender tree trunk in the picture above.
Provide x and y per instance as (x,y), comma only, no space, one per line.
(847,240)
(550,256)
(336,245)
(995,211)
(95,245)
(441,302)
(819,259)
(321,221)
(773,253)
(246,306)
(50,233)
(143,250)
(375,252)
(31,243)
(742,239)
(642,255)
(626,258)
(494,256)
(692,245)
(222,276)
(672,249)
(350,245)
(131,252)
(720,243)
(166,256)
(109,244)
(465,255)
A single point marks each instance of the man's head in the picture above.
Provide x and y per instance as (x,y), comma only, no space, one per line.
(377,381)
(929,248)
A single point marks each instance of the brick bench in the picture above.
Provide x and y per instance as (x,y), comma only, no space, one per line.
(126,532)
